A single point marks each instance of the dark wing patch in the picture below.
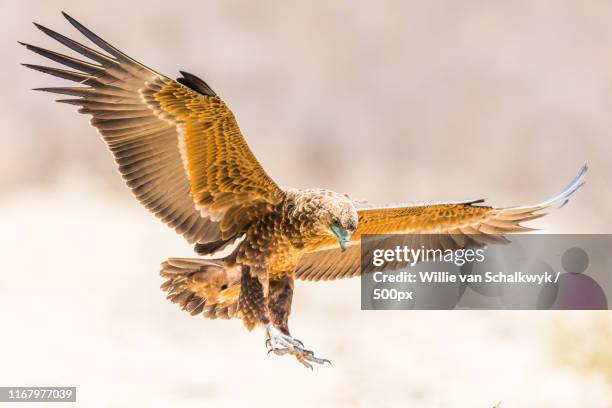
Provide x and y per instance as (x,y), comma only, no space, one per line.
(195,83)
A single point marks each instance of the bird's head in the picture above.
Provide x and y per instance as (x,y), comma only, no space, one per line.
(339,218)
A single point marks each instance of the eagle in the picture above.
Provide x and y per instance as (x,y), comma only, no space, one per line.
(179,149)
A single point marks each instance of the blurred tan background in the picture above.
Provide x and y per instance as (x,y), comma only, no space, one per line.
(386,101)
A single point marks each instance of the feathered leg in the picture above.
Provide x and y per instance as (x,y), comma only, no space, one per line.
(272,312)
(280,295)
(252,300)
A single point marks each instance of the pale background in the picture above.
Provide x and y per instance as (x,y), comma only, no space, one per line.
(386,101)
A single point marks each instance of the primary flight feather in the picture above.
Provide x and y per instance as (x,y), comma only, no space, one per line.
(179,149)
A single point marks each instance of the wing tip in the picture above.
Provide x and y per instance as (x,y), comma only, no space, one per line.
(30,66)
(572,187)
(77,25)
(67,16)
(564,196)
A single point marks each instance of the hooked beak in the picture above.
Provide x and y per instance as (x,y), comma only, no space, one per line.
(342,235)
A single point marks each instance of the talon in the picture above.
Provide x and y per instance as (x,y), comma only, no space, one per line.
(319,360)
(304,363)
(279,351)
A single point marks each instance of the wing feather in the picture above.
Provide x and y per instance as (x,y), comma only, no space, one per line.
(177,145)
(442,225)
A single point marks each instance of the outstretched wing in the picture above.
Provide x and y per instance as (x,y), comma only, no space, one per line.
(177,145)
(447,225)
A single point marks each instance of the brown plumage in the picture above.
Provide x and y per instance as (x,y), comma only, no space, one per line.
(179,149)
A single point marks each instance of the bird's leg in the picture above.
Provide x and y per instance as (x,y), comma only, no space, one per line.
(281,344)
(279,341)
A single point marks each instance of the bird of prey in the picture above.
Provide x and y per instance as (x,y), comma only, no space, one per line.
(180,151)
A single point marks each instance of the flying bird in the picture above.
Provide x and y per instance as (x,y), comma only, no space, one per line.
(179,149)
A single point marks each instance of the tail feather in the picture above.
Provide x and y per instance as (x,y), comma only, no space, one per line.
(202,286)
